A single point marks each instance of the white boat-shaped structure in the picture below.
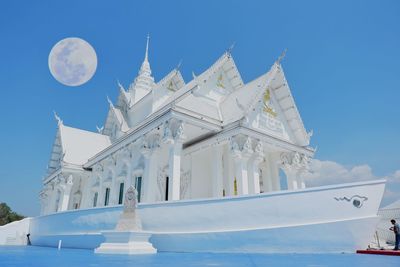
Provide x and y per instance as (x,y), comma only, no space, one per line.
(219,165)
(324,219)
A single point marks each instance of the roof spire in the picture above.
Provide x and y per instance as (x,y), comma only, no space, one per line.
(146,56)
(278,61)
(110,102)
(144,79)
(230,48)
(179,65)
(121,87)
(59,121)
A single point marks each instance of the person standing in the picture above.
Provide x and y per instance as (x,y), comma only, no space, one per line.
(395,228)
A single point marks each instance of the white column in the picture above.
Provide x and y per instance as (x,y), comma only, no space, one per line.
(267,182)
(291,178)
(44,200)
(86,193)
(217,171)
(66,188)
(51,199)
(150,175)
(114,190)
(274,173)
(173,137)
(59,195)
(241,175)
(254,174)
(174,171)
(301,183)
(227,171)
(241,150)
(254,168)
(100,197)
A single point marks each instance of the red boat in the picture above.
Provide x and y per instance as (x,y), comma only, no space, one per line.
(380,252)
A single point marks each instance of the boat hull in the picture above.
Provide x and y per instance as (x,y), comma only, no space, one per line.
(339,218)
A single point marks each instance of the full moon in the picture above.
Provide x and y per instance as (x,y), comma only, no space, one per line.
(72,61)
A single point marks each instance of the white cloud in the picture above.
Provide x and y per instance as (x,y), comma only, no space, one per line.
(330,172)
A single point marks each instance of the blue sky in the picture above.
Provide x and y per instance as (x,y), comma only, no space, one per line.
(342,64)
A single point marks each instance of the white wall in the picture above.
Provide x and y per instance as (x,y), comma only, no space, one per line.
(15,233)
(201,184)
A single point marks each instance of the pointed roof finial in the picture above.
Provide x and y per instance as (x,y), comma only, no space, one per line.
(109,102)
(120,85)
(280,58)
(99,129)
(59,121)
(179,65)
(146,56)
(229,50)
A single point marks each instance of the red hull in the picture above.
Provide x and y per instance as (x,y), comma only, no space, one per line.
(380,252)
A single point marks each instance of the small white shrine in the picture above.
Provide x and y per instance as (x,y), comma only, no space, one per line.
(128,236)
(212,137)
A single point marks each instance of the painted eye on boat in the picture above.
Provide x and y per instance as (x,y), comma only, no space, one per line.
(358,201)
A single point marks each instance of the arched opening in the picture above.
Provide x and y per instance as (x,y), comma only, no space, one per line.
(121,193)
(235,187)
(138,186)
(107,196)
(283,180)
(95,197)
(261,182)
(166,188)
(77,200)
(120,183)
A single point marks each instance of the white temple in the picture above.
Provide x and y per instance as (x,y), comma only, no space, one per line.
(212,137)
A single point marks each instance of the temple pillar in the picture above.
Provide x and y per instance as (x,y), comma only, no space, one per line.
(173,137)
(271,177)
(228,173)
(44,200)
(291,178)
(150,150)
(265,177)
(301,183)
(241,175)
(66,193)
(217,169)
(241,152)
(174,171)
(86,191)
(295,166)
(254,169)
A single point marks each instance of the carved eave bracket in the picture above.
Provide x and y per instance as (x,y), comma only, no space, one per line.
(241,146)
(173,132)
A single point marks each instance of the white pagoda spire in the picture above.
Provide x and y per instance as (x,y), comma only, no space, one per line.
(144,81)
(145,69)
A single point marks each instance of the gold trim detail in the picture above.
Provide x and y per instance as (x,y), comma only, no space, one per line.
(267,104)
(219,82)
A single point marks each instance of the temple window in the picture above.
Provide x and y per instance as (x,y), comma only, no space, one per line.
(121,193)
(107,196)
(166,188)
(138,186)
(262,190)
(96,195)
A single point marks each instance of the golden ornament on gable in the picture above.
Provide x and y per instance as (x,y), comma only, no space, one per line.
(170,86)
(267,104)
(219,82)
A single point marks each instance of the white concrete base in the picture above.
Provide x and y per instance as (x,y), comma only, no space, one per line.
(118,242)
(14,234)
